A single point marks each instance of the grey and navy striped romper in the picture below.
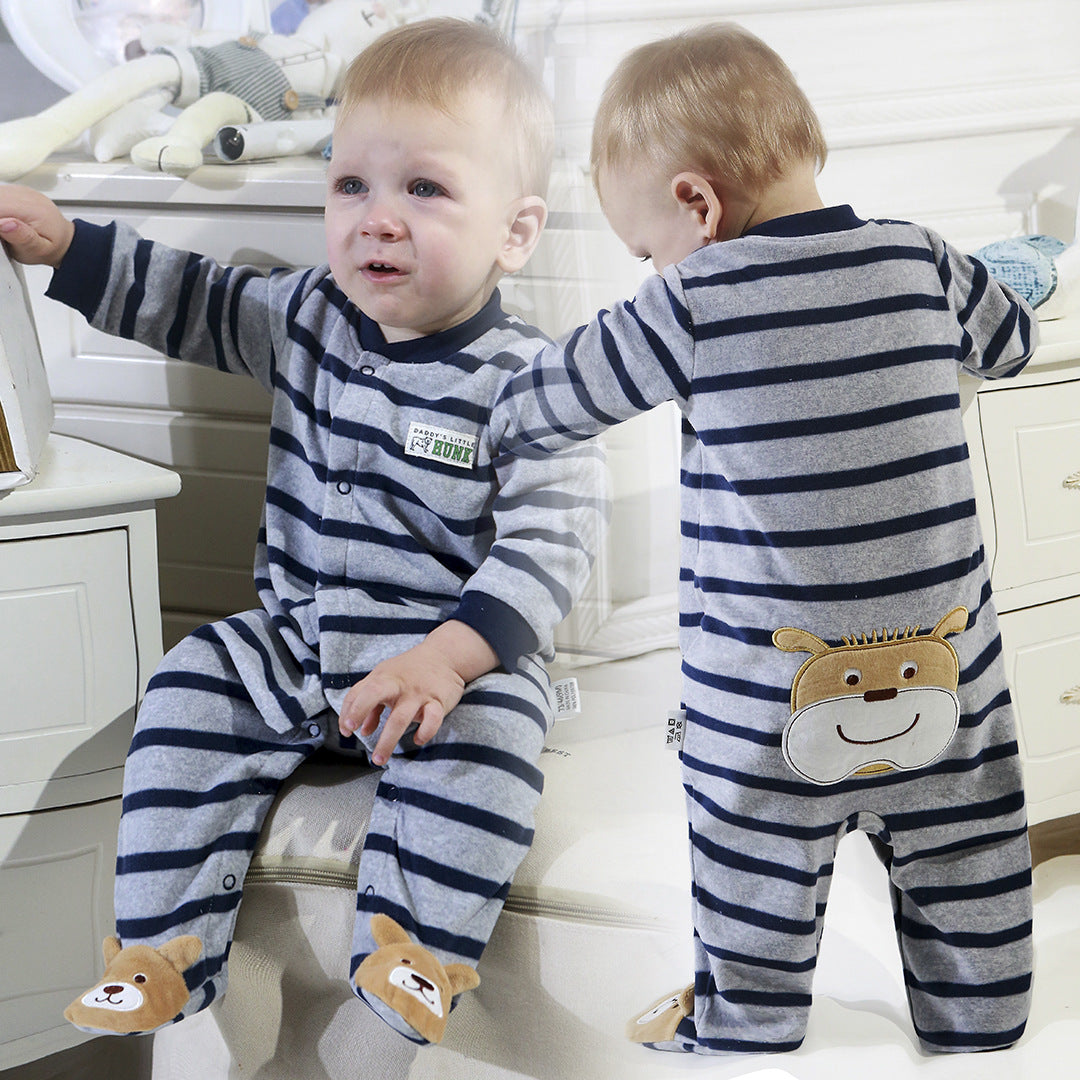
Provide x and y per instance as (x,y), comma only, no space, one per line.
(826,488)
(387,512)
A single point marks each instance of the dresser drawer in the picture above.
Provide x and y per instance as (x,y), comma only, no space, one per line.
(1042,658)
(67,649)
(56,875)
(1031,436)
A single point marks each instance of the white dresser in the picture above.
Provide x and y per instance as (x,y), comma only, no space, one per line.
(1024,435)
(80,634)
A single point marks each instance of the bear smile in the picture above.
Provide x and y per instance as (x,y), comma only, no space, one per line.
(874,742)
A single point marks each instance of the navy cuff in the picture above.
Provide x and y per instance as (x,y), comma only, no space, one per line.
(500,625)
(79,280)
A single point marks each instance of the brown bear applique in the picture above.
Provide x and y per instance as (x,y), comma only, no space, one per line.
(872,706)
(410,980)
(142,988)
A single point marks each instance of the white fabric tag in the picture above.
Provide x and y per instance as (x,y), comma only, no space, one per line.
(676,729)
(567,698)
(441,444)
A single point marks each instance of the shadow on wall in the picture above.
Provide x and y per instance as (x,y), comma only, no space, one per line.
(23,89)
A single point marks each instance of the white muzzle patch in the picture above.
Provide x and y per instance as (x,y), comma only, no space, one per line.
(828,740)
(415,985)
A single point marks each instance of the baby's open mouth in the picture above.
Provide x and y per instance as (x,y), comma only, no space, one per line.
(382,268)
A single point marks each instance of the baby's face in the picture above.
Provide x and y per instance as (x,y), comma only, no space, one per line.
(419,212)
(645,215)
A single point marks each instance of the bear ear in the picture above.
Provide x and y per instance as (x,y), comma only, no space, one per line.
(181,952)
(462,977)
(109,948)
(387,932)
(791,640)
(953,623)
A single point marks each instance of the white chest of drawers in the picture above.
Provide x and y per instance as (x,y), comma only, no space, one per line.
(1024,436)
(80,633)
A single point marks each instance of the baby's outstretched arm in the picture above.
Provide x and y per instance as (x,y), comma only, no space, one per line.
(32,226)
(420,686)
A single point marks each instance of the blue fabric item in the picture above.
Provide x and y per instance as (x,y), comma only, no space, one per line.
(1025,264)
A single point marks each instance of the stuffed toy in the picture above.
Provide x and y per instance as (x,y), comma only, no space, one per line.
(268,78)
(410,980)
(139,979)
(1042,269)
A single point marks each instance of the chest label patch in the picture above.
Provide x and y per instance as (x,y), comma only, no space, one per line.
(441,444)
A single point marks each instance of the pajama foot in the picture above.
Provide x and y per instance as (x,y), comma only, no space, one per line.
(667,1024)
(412,982)
(142,989)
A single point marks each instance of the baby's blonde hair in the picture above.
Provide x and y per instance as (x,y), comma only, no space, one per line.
(436,62)
(715,99)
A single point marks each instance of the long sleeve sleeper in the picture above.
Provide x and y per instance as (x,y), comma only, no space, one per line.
(828,509)
(388,511)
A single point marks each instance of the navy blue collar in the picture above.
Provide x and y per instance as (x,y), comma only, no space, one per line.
(811,223)
(432,346)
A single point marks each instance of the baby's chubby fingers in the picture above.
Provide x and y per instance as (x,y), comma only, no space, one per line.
(404,715)
(363,705)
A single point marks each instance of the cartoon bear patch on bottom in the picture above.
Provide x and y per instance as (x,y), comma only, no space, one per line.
(872,706)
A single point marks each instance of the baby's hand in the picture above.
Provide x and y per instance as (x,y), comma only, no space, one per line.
(419,687)
(32,227)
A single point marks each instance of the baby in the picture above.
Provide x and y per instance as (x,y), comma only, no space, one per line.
(826,498)
(410,577)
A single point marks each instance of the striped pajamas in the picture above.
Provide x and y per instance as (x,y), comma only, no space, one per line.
(387,512)
(826,488)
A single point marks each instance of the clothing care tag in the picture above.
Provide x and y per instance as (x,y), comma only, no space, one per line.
(441,444)
(567,700)
(676,729)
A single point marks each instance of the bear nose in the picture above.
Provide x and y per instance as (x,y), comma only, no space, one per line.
(880,695)
(110,990)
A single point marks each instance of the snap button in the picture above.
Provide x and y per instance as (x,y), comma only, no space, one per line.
(229,882)
(313,730)
(370,890)
(391,793)
(291,100)
(344,487)
(367,369)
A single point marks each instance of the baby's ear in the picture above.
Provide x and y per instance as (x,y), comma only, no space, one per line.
(695,194)
(528,217)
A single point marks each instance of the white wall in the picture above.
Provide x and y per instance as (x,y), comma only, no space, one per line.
(962,113)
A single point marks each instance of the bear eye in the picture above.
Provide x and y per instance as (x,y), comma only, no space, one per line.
(139,978)
(405,960)
(908,669)
(853,676)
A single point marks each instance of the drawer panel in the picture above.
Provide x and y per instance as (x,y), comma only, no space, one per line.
(1042,658)
(56,873)
(1032,441)
(67,646)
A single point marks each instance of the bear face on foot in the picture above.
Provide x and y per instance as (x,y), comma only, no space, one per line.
(658,1022)
(410,980)
(143,987)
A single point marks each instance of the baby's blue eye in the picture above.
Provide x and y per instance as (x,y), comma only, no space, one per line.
(351,185)
(426,189)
